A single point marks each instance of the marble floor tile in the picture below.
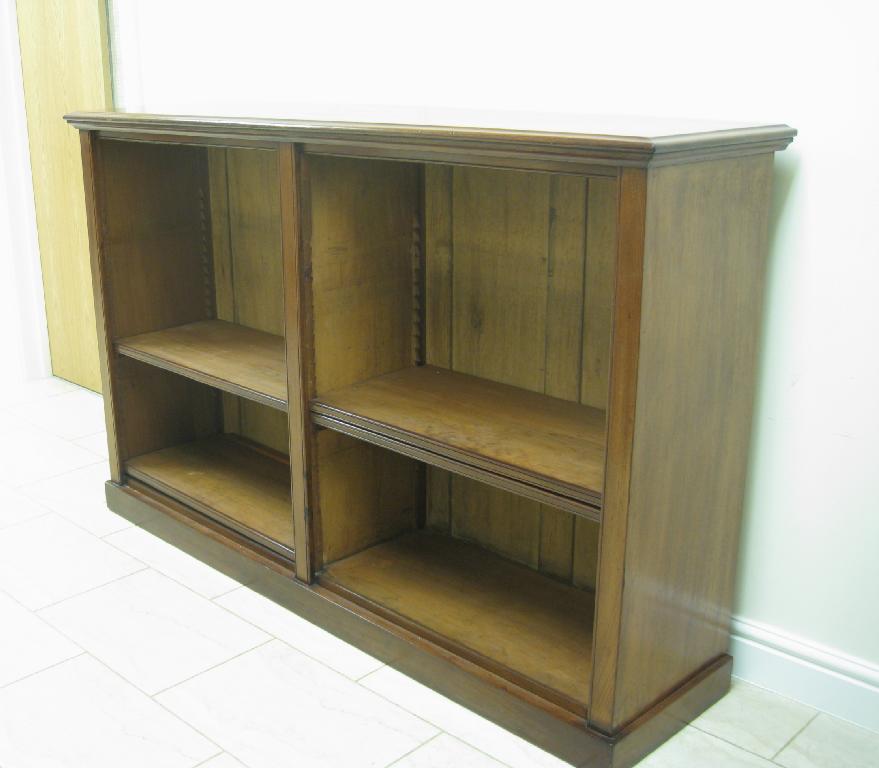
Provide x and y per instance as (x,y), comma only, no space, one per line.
(28,454)
(692,748)
(288,709)
(446,751)
(48,559)
(15,507)
(224,760)
(79,497)
(755,719)
(79,714)
(96,443)
(70,415)
(301,634)
(202,564)
(27,643)
(828,742)
(151,630)
(36,389)
(459,721)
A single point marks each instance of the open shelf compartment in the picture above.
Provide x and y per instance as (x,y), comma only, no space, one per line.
(541,446)
(230,479)
(230,357)
(460,330)
(522,625)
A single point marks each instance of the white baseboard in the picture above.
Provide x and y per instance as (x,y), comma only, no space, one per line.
(820,677)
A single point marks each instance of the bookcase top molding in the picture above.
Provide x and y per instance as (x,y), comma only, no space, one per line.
(447,136)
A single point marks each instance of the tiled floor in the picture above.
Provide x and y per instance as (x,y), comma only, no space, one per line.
(118,649)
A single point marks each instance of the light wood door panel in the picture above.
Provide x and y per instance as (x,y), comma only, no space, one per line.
(65,66)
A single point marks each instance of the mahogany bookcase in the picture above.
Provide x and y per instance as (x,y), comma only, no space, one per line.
(481,395)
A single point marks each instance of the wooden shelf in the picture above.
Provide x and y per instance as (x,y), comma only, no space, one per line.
(521,624)
(230,479)
(532,444)
(234,358)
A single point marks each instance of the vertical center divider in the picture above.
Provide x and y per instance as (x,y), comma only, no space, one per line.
(300,353)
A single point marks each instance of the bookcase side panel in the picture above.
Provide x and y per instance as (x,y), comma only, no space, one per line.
(626,323)
(91,174)
(362,223)
(704,262)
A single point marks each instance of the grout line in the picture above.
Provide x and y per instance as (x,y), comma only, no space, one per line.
(396,761)
(211,600)
(268,640)
(440,728)
(46,479)
(44,669)
(203,762)
(12,407)
(101,456)
(367,674)
(238,584)
(791,739)
(76,524)
(39,610)
(156,702)
(282,641)
(26,520)
(36,613)
(724,740)
(105,536)
(262,629)
(397,704)
(228,592)
(98,536)
(101,431)
(171,579)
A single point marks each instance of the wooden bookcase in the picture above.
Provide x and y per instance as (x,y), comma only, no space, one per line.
(482,394)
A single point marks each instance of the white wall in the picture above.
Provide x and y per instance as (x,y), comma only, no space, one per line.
(808,605)
(23,337)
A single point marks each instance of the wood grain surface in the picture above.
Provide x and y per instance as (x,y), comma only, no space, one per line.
(522,621)
(228,478)
(546,441)
(704,265)
(550,141)
(231,357)
(553,339)
(65,64)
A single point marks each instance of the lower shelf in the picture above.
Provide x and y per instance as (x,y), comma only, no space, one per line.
(520,624)
(227,478)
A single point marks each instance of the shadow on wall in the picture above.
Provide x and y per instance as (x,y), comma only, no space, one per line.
(787,166)
(785,174)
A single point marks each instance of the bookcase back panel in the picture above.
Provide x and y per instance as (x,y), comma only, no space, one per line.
(364,232)
(246,227)
(154,234)
(518,289)
(247,267)
(158,409)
